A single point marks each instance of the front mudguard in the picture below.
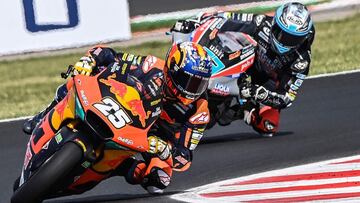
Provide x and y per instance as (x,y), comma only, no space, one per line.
(84,140)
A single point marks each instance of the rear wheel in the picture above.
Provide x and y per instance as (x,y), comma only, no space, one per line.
(49,174)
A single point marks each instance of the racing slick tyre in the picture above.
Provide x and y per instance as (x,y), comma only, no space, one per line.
(56,167)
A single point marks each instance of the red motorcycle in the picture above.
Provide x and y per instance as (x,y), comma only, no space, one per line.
(233,53)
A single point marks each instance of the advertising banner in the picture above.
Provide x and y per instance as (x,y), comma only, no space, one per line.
(34,25)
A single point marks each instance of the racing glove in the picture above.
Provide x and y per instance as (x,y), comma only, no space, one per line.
(159,147)
(256,92)
(84,66)
(182,158)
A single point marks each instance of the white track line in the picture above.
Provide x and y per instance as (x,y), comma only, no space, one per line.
(193,194)
(310,77)
(14,119)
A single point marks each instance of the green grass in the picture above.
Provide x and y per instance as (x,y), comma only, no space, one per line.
(28,85)
(336,46)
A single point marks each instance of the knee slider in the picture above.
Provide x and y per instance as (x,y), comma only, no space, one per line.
(267,121)
(135,172)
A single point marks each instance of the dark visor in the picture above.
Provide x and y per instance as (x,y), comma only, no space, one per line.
(286,39)
(190,84)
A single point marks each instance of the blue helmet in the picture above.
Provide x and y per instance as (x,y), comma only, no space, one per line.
(187,71)
(290,27)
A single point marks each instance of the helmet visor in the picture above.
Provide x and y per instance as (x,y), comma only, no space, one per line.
(285,39)
(189,84)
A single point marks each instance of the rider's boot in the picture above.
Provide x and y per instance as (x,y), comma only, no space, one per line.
(30,124)
(265,121)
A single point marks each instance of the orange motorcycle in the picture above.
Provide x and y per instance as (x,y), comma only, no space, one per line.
(103,121)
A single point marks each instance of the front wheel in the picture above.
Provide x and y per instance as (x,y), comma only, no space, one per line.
(50,173)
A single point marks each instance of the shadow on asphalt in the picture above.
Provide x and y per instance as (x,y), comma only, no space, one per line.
(239,136)
(110,198)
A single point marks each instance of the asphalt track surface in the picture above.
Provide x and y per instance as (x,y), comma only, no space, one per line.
(143,7)
(322,124)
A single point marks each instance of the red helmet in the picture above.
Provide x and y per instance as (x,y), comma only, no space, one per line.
(187,72)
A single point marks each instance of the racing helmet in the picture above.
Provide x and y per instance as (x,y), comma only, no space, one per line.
(187,72)
(291,26)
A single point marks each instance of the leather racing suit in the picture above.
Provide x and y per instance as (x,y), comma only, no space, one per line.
(180,126)
(281,75)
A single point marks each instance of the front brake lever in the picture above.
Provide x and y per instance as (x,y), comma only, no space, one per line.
(68,72)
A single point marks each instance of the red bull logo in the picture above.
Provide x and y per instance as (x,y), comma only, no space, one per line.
(128,97)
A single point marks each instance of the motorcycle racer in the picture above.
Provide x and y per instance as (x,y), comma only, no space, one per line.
(282,61)
(182,79)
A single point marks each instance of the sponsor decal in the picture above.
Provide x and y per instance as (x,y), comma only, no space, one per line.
(247,54)
(153,103)
(86,164)
(291,96)
(298,82)
(219,53)
(234,55)
(148,63)
(126,140)
(221,89)
(97,51)
(220,24)
(115,67)
(247,64)
(294,87)
(58,138)
(178,26)
(84,98)
(130,57)
(201,68)
(301,65)
(259,19)
(216,24)
(155,85)
(263,36)
(199,118)
(152,91)
(213,34)
(295,20)
(266,30)
(123,68)
(301,76)
(157,112)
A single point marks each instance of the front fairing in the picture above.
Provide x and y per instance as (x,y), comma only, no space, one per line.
(115,109)
(232,54)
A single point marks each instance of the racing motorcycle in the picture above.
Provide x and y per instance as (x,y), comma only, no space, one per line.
(102,121)
(232,54)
